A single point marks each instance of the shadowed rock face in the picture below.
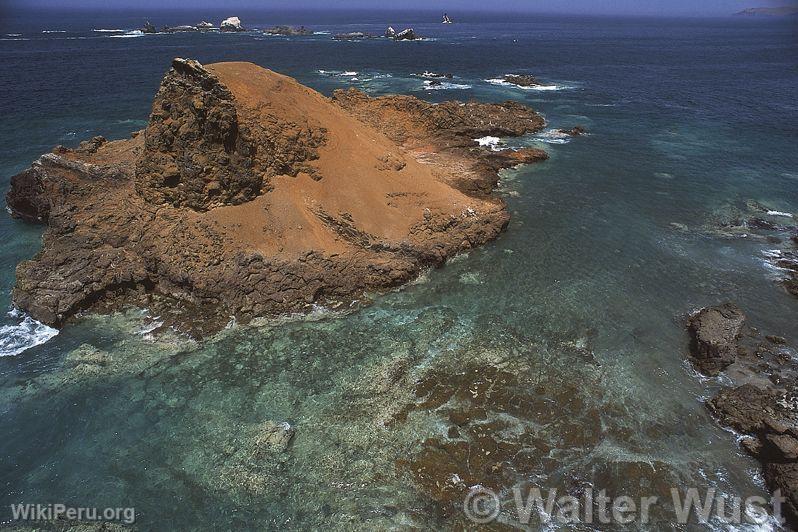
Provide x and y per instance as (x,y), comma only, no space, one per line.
(714,333)
(195,152)
(250,195)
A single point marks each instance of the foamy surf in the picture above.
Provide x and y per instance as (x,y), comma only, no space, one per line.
(503,83)
(780,213)
(108,31)
(552,136)
(14,339)
(129,34)
(490,142)
(443,85)
(338,73)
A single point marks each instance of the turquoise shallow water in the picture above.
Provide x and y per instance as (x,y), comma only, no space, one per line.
(580,304)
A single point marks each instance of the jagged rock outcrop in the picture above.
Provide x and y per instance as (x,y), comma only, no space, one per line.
(575,131)
(763,402)
(522,80)
(288,31)
(196,153)
(406,118)
(713,335)
(405,35)
(450,128)
(250,195)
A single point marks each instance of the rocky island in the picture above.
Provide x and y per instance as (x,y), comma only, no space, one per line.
(251,195)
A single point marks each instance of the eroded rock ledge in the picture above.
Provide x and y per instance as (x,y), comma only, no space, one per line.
(250,195)
(762,404)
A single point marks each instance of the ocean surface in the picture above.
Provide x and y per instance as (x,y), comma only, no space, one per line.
(613,241)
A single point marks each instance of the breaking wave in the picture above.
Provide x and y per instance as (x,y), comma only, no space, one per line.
(128,34)
(14,339)
(494,143)
(503,83)
(553,136)
(443,85)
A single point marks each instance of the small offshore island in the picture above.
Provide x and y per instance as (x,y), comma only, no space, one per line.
(251,195)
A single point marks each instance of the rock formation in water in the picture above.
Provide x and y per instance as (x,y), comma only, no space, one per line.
(250,195)
(405,35)
(713,333)
(288,31)
(231,24)
(763,402)
(353,36)
(521,80)
(576,131)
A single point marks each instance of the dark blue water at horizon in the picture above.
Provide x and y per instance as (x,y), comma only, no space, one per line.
(612,242)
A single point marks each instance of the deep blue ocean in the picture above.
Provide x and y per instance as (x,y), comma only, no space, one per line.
(613,241)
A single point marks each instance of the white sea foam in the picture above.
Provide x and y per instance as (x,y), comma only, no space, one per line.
(443,85)
(321,33)
(338,73)
(129,34)
(53,31)
(147,329)
(552,136)
(780,213)
(13,35)
(14,339)
(503,83)
(490,142)
(107,31)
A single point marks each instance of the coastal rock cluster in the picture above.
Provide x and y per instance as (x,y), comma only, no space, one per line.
(452,127)
(250,195)
(763,402)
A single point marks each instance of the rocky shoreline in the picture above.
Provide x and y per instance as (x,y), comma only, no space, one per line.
(251,195)
(762,403)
